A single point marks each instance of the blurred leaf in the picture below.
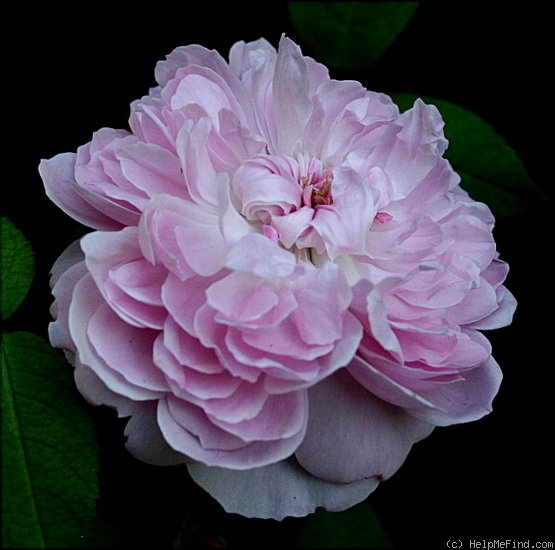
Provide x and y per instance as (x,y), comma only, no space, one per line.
(350,35)
(490,170)
(17,264)
(49,456)
(357,527)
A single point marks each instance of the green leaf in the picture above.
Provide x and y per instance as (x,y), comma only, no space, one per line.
(490,169)
(17,264)
(357,527)
(350,35)
(49,455)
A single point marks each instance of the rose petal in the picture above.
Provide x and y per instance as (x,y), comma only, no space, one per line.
(189,431)
(260,256)
(87,301)
(278,490)
(58,175)
(66,272)
(128,282)
(465,399)
(353,435)
(145,440)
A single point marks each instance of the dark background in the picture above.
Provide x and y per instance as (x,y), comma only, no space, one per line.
(71,71)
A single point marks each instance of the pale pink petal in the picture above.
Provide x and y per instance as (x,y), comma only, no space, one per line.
(115,202)
(466,399)
(58,175)
(187,430)
(258,255)
(501,317)
(151,169)
(96,160)
(187,351)
(244,404)
(291,101)
(128,282)
(264,193)
(152,122)
(331,101)
(185,238)
(243,300)
(184,299)
(245,57)
(204,87)
(323,296)
(195,55)
(254,63)
(86,302)
(125,349)
(282,416)
(342,228)
(407,154)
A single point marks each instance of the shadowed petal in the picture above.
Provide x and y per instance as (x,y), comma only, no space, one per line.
(277,491)
(353,435)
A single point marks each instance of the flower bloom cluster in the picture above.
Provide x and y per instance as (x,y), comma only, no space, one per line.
(285,285)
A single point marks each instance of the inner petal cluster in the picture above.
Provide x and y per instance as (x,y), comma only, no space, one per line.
(283,194)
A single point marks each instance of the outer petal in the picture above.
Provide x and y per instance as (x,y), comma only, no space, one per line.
(95,391)
(145,440)
(408,152)
(464,400)
(58,175)
(210,59)
(66,272)
(279,490)
(86,302)
(353,435)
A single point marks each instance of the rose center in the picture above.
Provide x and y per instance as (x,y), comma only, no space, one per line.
(317,189)
(285,194)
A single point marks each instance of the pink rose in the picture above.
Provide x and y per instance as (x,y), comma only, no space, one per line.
(285,285)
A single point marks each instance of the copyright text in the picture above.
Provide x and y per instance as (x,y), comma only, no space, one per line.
(455,544)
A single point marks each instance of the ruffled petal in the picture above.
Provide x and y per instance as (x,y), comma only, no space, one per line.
(465,399)
(127,281)
(58,175)
(188,430)
(87,302)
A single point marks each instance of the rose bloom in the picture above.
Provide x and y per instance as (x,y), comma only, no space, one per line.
(285,285)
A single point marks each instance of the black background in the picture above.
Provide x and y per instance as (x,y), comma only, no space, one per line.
(73,70)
